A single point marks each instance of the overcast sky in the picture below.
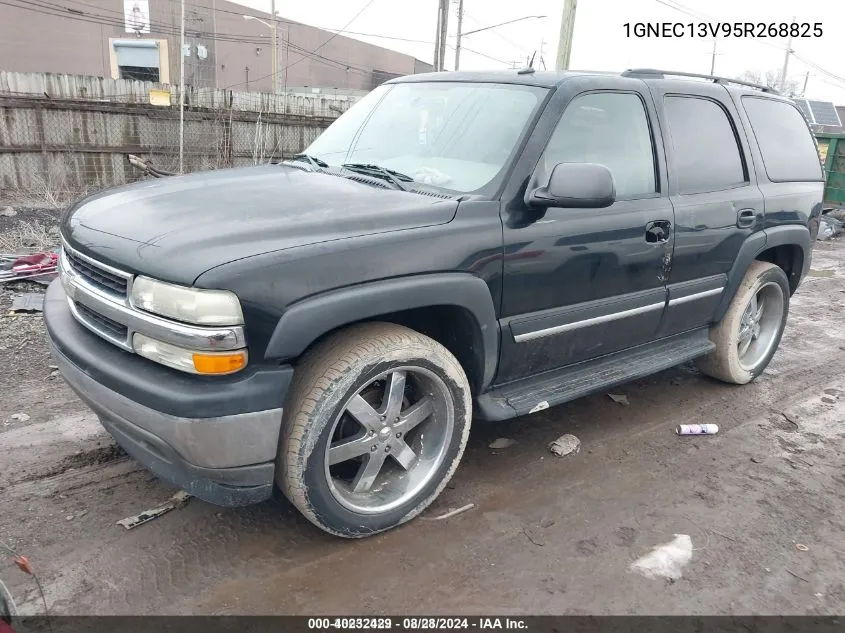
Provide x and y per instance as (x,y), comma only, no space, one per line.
(600,41)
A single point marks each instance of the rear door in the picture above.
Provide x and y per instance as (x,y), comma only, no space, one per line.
(714,192)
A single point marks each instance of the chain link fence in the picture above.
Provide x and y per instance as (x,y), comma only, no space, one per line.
(74,136)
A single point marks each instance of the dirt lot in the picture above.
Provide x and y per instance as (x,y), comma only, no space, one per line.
(546,535)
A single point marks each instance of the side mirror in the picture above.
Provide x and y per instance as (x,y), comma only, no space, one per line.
(576,185)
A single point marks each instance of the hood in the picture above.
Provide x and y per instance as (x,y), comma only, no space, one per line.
(176,228)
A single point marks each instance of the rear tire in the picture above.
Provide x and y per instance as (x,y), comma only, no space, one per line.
(748,335)
(352,457)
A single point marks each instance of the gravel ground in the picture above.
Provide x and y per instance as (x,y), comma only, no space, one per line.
(546,535)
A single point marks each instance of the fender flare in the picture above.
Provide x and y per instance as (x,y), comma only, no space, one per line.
(305,321)
(792,234)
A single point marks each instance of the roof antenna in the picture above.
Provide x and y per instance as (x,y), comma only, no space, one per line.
(528,69)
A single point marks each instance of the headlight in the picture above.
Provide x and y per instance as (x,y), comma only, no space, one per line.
(190,305)
(186,360)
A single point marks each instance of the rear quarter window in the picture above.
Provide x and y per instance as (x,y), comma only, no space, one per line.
(789,153)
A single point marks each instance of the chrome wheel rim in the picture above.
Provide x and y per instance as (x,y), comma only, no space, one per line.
(389,440)
(759,325)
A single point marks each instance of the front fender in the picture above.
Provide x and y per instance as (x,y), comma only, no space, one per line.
(305,321)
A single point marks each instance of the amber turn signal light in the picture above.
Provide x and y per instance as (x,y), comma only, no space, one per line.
(219,363)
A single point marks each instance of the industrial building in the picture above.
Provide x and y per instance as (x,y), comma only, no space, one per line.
(140,39)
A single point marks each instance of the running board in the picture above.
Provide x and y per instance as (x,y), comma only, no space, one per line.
(529,395)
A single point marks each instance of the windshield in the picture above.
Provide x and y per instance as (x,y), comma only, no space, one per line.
(457,136)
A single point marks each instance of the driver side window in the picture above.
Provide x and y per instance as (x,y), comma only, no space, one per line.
(611,129)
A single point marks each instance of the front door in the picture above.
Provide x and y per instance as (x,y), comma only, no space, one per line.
(581,283)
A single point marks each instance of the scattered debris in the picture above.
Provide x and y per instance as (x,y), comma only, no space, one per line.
(619,398)
(502,442)
(176,501)
(756,460)
(564,445)
(19,417)
(829,227)
(546,523)
(29,267)
(717,533)
(697,429)
(667,560)
(540,406)
(69,517)
(788,419)
(820,273)
(838,214)
(828,400)
(452,513)
(819,594)
(8,212)
(29,302)
(792,573)
(802,548)
(539,542)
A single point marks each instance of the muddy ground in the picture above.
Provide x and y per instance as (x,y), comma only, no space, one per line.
(546,535)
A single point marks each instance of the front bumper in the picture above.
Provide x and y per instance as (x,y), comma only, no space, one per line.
(216,437)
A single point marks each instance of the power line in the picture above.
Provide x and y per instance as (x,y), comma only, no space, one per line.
(499,35)
(819,68)
(301,59)
(45,8)
(469,50)
(384,37)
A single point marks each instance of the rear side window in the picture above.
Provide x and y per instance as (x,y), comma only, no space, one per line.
(706,155)
(789,153)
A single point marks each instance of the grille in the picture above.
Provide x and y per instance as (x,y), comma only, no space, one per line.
(101,323)
(96,276)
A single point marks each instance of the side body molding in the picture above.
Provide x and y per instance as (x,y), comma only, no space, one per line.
(305,321)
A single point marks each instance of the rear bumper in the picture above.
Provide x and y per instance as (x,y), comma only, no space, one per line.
(227,459)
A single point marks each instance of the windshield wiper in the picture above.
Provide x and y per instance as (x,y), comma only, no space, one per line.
(370,169)
(316,163)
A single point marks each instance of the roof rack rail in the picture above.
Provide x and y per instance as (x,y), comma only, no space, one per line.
(660,74)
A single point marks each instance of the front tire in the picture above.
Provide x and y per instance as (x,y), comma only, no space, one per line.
(748,335)
(374,427)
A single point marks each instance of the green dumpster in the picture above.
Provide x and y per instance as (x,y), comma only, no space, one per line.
(832,155)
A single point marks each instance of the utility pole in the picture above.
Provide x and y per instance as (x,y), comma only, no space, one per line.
(543,52)
(458,40)
(437,35)
(182,93)
(786,61)
(713,58)
(275,64)
(806,79)
(444,29)
(567,27)
(214,27)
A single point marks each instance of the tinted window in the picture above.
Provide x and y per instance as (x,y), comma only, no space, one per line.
(706,155)
(785,142)
(610,129)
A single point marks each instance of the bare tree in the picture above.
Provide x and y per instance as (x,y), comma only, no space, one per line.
(770,79)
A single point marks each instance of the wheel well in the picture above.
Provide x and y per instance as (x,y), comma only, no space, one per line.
(454,327)
(788,257)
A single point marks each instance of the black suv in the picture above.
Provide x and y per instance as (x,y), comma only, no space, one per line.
(455,245)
